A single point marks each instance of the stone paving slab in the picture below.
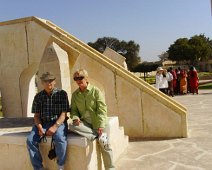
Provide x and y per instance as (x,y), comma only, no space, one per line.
(192,153)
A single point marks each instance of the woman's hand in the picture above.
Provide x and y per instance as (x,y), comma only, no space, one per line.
(76,122)
(100,130)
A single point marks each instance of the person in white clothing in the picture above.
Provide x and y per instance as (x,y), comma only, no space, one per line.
(161,80)
(170,83)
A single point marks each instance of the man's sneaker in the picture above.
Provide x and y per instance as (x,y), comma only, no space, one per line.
(60,167)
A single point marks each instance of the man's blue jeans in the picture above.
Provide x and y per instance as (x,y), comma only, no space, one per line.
(60,140)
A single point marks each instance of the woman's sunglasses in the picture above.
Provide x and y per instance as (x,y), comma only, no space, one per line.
(78,78)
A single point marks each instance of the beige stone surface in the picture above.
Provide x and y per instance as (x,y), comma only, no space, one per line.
(113,55)
(15,155)
(192,153)
(23,46)
(81,153)
(170,124)
(13,48)
(128,107)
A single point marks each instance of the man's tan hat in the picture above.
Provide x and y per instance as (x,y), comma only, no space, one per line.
(47,76)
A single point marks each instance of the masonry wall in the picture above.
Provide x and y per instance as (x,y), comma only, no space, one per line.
(140,113)
(142,110)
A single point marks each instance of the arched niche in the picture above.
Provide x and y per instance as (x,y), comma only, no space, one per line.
(28,89)
(55,60)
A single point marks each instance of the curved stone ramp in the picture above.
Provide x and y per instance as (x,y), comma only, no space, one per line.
(142,110)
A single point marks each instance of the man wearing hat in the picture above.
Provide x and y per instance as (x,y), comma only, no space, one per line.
(50,107)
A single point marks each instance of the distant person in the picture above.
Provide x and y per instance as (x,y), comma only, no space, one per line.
(161,80)
(194,80)
(183,81)
(188,81)
(49,107)
(158,77)
(178,70)
(170,83)
(89,114)
(174,79)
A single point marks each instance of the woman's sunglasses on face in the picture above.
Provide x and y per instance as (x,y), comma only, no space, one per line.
(79,78)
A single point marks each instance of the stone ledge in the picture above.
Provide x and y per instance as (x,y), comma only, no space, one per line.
(19,138)
(81,153)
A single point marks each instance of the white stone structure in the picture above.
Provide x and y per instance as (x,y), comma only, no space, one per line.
(116,57)
(32,45)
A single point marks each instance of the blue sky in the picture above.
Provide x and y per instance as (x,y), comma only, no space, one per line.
(153,24)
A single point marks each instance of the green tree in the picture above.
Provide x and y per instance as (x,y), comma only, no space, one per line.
(210,42)
(197,48)
(200,48)
(179,51)
(130,50)
(146,67)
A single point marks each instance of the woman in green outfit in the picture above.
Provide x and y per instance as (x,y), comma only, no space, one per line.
(89,114)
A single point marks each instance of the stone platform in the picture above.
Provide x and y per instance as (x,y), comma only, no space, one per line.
(82,154)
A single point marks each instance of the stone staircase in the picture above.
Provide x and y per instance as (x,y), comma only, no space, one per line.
(81,154)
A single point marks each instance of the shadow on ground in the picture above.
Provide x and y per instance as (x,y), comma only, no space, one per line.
(16,122)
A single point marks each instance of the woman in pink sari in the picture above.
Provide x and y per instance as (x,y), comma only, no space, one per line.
(193,80)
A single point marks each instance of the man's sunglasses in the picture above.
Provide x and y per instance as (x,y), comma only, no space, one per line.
(78,78)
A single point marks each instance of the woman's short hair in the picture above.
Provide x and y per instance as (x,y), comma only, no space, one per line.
(81,72)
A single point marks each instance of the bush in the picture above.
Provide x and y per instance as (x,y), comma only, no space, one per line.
(204,74)
(150,80)
(206,86)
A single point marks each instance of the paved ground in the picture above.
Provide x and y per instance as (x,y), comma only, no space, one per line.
(192,153)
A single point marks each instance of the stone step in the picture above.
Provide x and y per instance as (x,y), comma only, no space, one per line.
(113,124)
(118,141)
(115,132)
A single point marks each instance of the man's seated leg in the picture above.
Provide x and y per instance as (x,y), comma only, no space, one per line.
(33,141)
(60,140)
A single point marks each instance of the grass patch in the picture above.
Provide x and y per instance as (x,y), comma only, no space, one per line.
(150,80)
(205,86)
(205,74)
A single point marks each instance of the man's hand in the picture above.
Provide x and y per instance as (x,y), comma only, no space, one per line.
(76,122)
(40,130)
(100,130)
(51,131)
